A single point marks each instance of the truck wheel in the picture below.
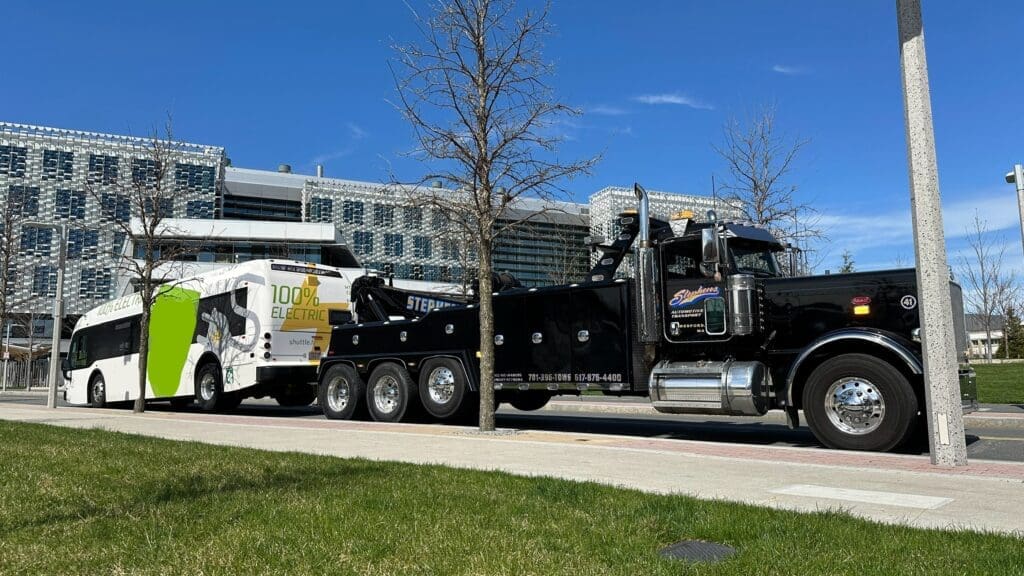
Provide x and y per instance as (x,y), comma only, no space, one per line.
(389,392)
(97,391)
(210,393)
(296,395)
(859,402)
(530,401)
(442,387)
(341,392)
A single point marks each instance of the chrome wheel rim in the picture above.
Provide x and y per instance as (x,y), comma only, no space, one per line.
(337,393)
(208,386)
(854,406)
(441,385)
(385,394)
(99,389)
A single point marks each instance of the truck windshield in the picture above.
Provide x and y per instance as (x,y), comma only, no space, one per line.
(754,259)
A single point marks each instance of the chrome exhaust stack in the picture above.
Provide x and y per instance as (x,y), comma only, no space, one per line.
(646,273)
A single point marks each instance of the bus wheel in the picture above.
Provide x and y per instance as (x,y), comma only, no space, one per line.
(442,387)
(97,391)
(296,395)
(341,393)
(210,393)
(859,402)
(389,392)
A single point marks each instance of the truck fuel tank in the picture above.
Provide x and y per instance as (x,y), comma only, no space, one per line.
(729,387)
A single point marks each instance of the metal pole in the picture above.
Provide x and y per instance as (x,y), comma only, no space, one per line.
(31,349)
(7,351)
(1017,177)
(58,316)
(942,384)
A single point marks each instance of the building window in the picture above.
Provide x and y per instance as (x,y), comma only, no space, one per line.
(362,242)
(58,164)
(449,249)
(162,208)
(24,200)
(383,215)
(115,207)
(321,209)
(421,246)
(202,209)
(82,243)
(352,212)
(439,219)
(388,268)
(144,172)
(12,280)
(194,178)
(413,217)
(13,160)
(432,274)
(117,241)
(102,169)
(36,241)
(94,284)
(445,273)
(394,245)
(417,272)
(44,281)
(69,204)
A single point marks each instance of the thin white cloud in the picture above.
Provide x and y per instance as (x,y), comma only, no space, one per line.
(605,110)
(333,155)
(673,98)
(789,70)
(356,132)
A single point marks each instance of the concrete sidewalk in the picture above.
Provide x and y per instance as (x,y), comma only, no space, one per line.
(989,416)
(890,488)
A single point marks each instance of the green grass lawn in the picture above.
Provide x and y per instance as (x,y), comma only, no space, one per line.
(1000,383)
(94,502)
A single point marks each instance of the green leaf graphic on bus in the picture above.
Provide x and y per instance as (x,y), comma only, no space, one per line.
(170,334)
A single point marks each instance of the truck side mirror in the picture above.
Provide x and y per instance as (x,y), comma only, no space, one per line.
(709,246)
(65,367)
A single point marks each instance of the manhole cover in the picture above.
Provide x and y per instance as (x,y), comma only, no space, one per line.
(697,551)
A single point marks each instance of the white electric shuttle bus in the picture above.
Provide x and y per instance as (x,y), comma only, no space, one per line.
(248,330)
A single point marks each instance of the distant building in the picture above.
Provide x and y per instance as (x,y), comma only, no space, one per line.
(980,342)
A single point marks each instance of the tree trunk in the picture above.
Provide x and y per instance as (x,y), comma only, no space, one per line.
(486,340)
(988,345)
(140,402)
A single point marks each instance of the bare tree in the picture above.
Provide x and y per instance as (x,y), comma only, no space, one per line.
(759,162)
(10,220)
(848,264)
(138,204)
(475,92)
(986,282)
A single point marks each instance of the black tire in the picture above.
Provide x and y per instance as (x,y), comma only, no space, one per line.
(530,401)
(341,393)
(296,395)
(97,391)
(880,411)
(390,393)
(181,403)
(210,395)
(442,387)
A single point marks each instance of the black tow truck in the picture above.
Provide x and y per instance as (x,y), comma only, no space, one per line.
(708,324)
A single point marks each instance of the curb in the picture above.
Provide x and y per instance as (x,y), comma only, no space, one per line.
(974,421)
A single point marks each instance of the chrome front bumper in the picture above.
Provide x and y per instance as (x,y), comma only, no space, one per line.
(968,389)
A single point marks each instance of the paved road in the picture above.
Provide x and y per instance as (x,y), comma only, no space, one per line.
(983,443)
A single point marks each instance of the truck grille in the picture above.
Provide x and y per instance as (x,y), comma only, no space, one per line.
(956,298)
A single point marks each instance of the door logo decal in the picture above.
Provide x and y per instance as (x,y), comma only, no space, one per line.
(909,302)
(686,297)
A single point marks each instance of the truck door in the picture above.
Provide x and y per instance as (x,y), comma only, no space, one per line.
(695,303)
(547,325)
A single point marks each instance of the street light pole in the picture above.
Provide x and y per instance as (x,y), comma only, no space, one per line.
(1017,177)
(58,308)
(944,410)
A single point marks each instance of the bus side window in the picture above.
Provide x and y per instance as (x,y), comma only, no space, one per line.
(78,352)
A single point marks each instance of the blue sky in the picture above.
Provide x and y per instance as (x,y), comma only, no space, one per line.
(306,83)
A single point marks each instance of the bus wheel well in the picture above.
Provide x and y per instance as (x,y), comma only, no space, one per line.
(88,389)
(207,358)
(852,346)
